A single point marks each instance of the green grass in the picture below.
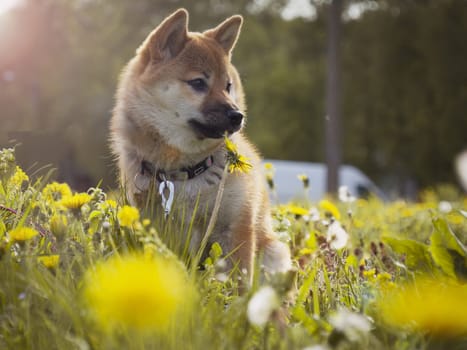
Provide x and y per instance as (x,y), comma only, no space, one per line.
(334,298)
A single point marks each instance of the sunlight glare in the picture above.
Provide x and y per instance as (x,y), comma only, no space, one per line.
(6,5)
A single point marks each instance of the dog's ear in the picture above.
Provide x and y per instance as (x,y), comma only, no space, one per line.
(226,33)
(168,39)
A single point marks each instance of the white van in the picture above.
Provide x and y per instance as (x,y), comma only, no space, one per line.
(289,187)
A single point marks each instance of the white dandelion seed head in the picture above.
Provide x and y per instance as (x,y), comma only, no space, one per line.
(221,277)
(314,214)
(221,264)
(352,324)
(261,306)
(345,195)
(337,236)
(444,206)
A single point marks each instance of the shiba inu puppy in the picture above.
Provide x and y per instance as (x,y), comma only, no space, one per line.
(176,100)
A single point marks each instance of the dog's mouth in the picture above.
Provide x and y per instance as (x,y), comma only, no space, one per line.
(212,131)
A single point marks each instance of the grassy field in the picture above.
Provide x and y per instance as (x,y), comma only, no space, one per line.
(83,271)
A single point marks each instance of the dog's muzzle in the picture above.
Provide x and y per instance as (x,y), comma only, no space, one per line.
(218,122)
(236,118)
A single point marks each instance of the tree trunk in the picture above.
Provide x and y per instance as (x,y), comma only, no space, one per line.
(332,122)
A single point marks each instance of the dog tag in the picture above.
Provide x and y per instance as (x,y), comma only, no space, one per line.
(166,190)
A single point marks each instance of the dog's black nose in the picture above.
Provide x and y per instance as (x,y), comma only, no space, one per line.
(235,117)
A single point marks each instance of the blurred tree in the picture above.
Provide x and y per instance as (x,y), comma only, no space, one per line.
(333,96)
(403,74)
(406,96)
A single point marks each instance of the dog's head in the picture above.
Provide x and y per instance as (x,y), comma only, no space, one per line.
(185,85)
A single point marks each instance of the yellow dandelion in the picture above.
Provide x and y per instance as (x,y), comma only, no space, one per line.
(55,191)
(236,161)
(358,223)
(58,224)
(269,175)
(306,251)
(49,261)
(384,277)
(229,145)
(21,234)
(75,201)
(296,210)
(240,163)
(137,292)
(330,208)
(370,275)
(270,180)
(108,205)
(18,177)
(427,305)
(305,180)
(127,216)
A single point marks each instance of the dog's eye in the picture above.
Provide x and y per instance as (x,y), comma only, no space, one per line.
(228,87)
(198,85)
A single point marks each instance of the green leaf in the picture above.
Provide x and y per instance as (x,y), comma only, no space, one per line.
(95,214)
(311,242)
(304,290)
(446,237)
(447,251)
(299,314)
(417,255)
(215,252)
(351,262)
(2,228)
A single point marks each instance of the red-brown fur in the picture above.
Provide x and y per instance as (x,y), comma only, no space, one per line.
(151,121)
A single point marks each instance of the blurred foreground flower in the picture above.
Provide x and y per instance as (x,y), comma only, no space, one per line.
(49,261)
(21,234)
(261,306)
(352,324)
(138,292)
(127,216)
(56,191)
(269,168)
(337,236)
(75,201)
(345,195)
(305,180)
(296,210)
(18,177)
(330,208)
(435,306)
(236,161)
(58,225)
